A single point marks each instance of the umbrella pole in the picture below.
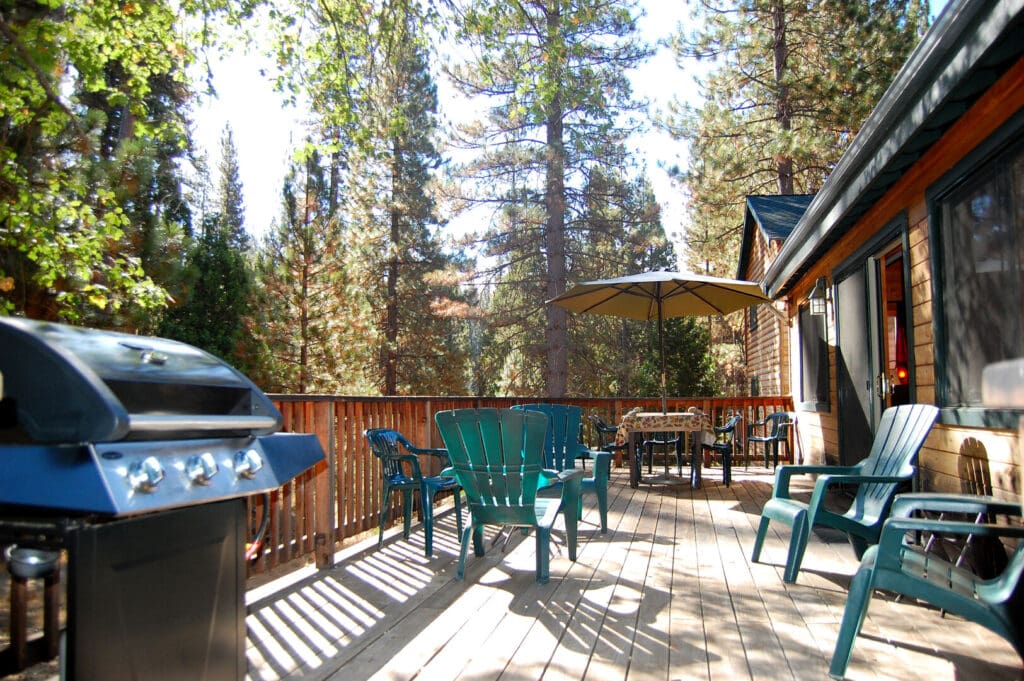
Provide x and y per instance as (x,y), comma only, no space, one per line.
(661,351)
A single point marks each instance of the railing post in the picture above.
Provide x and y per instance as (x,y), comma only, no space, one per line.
(326,517)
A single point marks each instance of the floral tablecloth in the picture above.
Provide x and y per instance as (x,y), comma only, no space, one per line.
(656,421)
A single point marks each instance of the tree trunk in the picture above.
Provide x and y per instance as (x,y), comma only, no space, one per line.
(390,350)
(554,239)
(783,105)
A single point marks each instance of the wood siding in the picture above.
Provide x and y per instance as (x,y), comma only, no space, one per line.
(954,458)
(768,345)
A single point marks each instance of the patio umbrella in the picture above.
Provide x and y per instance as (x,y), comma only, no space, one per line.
(661,295)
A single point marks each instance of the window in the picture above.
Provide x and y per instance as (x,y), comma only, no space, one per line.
(755,386)
(980,280)
(753,317)
(813,360)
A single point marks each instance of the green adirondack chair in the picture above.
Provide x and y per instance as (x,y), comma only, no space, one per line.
(891,461)
(892,565)
(497,457)
(562,447)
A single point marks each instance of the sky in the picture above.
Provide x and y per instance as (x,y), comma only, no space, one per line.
(266,132)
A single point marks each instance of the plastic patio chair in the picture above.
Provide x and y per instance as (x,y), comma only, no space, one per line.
(724,445)
(893,565)
(400,470)
(497,457)
(604,430)
(891,461)
(562,447)
(776,430)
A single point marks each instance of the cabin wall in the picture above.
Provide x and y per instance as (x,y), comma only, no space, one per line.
(768,345)
(954,458)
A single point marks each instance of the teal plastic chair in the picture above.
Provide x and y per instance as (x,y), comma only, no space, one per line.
(562,448)
(400,470)
(776,430)
(497,457)
(724,445)
(891,461)
(996,604)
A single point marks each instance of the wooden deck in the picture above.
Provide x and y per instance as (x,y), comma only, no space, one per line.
(668,593)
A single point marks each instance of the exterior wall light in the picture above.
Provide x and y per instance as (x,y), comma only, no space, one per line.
(819,297)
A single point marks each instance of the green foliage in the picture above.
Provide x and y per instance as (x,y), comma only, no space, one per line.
(218,283)
(88,129)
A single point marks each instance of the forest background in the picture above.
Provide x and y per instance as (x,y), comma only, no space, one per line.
(108,217)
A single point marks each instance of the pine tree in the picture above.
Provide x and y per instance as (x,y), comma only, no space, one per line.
(555,72)
(231,199)
(218,281)
(310,318)
(789,86)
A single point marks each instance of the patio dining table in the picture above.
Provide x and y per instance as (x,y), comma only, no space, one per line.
(635,423)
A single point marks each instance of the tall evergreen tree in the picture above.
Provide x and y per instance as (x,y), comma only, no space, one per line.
(312,321)
(555,74)
(390,203)
(217,280)
(230,197)
(789,86)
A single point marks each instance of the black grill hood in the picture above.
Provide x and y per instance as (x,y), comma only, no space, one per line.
(74,385)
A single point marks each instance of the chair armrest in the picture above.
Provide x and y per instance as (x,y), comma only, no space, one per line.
(785,472)
(572,487)
(822,484)
(895,530)
(567,474)
(906,504)
(411,459)
(602,465)
(441,453)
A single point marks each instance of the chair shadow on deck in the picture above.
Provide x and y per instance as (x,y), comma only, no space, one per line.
(313,626)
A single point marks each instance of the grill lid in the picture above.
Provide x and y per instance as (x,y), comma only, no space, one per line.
(72,385)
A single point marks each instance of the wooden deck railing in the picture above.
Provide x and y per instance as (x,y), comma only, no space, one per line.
(340,497)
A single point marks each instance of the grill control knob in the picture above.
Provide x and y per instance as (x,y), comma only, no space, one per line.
(200,468)
(145,475)
(248,463)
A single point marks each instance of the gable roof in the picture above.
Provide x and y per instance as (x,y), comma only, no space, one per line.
(776,216)
(970,45)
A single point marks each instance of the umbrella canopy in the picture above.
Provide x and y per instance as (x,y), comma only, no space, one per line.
(659,296)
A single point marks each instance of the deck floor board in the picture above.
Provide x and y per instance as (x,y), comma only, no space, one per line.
(668,593)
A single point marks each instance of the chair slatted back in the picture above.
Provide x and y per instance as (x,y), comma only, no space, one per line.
(496,456)
(900,435)
(561,441)
(384,443)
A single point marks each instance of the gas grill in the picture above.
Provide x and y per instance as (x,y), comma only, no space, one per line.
(135,455)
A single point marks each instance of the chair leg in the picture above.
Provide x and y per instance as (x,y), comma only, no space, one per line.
(464,549)
(543,561)
(602,507)
(406,512)
(762,530)
(857,602)
(458,511)
(797,546)
(385,497)
(428,525)
(726,467)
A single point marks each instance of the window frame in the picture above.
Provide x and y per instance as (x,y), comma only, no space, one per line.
(817,404)
(1005,138)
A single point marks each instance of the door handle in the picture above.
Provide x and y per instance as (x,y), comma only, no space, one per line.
(883,386)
